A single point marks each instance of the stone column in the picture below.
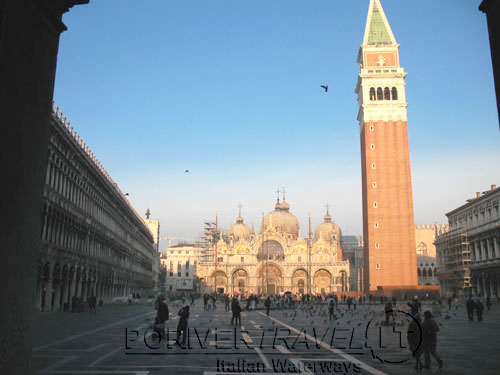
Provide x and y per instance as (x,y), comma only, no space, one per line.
(57,296)
(483,278)
(48,294)
(496,247)
(38,298)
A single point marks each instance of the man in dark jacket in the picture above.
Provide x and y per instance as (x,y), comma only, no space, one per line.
(470,305)
(414,336)
(268,305)
(236,312)
(183,325)
(161,315)
(429,340)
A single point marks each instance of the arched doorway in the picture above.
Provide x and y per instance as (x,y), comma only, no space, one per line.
(240,281)
(322,281)
(299,281)
(219,282)
(270,280)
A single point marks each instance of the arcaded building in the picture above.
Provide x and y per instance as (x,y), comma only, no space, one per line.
(278,259)
(93,242)
(388,221)
(469,254)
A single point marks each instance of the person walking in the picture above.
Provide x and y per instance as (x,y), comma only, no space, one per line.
(414,336)
(449,303)
(388,312)
(182,327)
(354,302)
(429,340)
(469,305)
(349,302)
(480,310)
(226,302)
(162,315)
(92,304)
(236,310)
(267,304)
(331,309)
(488,303)
(192,300)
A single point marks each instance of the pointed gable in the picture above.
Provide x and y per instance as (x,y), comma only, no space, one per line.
(377,29)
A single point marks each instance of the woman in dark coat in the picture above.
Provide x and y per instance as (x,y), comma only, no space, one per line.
(429,340)
(414,336)
(183,324)
(162,315)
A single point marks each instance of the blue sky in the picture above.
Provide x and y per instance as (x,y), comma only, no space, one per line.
(230,90)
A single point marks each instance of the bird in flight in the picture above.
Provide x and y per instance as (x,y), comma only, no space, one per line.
(325,87)
(126,194)
(187,171)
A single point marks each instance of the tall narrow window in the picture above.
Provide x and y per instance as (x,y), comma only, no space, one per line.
(375,224)
(371,128)
(377,245)
(375,205)
(394,93)
(380,94)
(372,146)
(374,184)
(387,94)
(377,266)
(372,93)
(373,166)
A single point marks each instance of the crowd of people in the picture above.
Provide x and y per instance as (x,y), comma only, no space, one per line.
(422,331)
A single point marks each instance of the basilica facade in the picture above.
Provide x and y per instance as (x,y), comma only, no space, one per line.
(276,260)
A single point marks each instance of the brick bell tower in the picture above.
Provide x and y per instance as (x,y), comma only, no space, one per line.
(390,258)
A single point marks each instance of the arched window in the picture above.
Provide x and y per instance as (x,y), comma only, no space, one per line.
(430,272)
(380,95)
(422,249)
(424,272)
(387,94)
(372,93)
(394,93)
(419,272)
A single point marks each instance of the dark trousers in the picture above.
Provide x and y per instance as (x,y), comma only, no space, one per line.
(182,329)
(470,314)
(237,318)
(428,351)
(267,311)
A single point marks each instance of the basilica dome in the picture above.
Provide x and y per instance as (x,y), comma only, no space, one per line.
(327,230)
(239,231)
(282,220)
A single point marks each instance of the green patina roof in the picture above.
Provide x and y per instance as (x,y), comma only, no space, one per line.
(378,33)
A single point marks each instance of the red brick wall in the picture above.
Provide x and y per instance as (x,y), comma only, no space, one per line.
(394,212)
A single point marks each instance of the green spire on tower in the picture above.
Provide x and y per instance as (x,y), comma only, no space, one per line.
(378,33)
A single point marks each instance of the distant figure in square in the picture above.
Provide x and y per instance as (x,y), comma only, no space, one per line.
(414,336)
(267,304)
(236,312)
(92,304)
(470,305)
(480,310)
(331,309)
(182,327)
(429,340)
(388,312)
